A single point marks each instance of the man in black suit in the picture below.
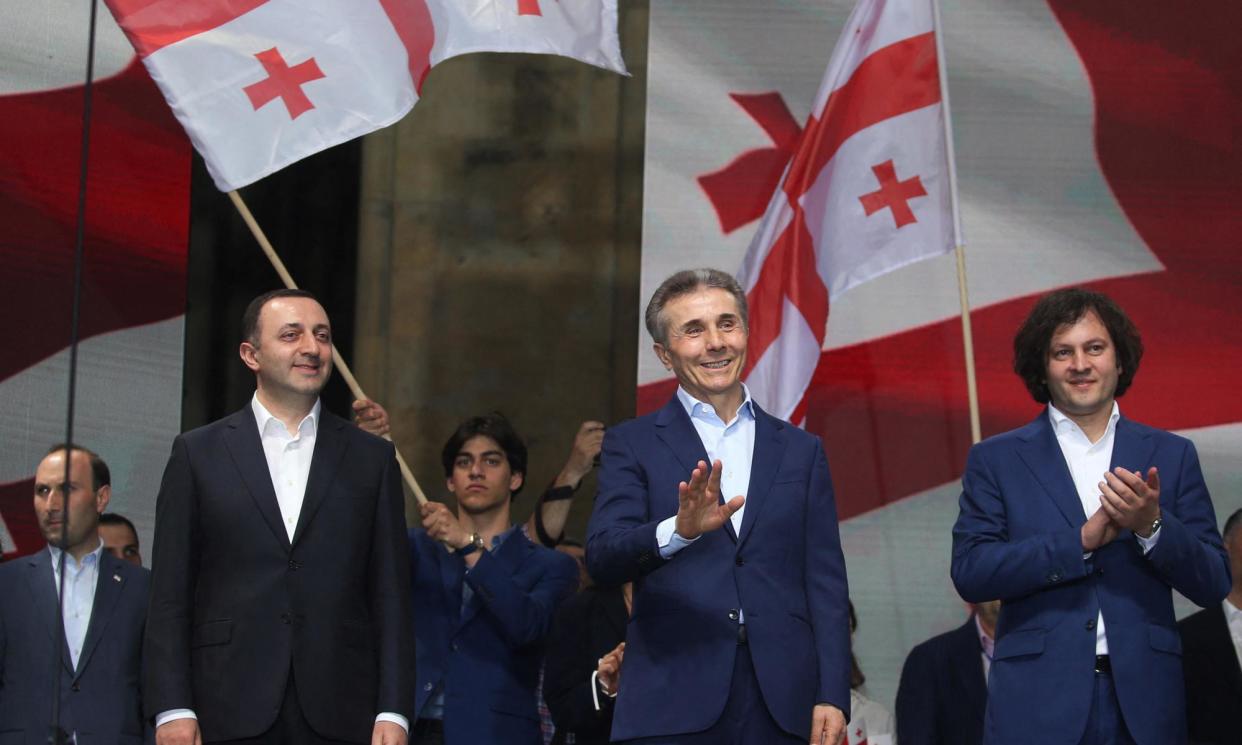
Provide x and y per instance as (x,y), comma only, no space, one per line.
(588,626)
(280,609)
(105,606)
(1212,657)
(943,691)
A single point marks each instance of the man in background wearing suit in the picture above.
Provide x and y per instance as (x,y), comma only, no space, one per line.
(484,596)
(944,684)
(1212,657)
(105,606)
(1082,523)
(723,517)
(280,608)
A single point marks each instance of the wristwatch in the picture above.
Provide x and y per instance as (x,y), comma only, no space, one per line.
(1155,525)
(475,544)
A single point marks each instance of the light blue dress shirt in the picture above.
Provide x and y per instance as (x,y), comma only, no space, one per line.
(81,579)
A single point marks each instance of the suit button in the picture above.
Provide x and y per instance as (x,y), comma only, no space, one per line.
(739,561)
(1054,577)
(453,646)
(733,615)
(294,565)
(428,686)
(1091,625)
(75,688)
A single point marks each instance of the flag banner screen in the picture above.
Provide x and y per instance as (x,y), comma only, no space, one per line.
(1094,145)
(128,402)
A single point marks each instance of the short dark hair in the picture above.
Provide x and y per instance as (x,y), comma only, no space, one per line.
(250,318)
(495,426)
(100,475)
(1062,308)
(684,283)
(113,518)
(1233,523)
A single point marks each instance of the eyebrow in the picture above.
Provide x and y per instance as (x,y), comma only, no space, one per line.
(485,453)
(719,318)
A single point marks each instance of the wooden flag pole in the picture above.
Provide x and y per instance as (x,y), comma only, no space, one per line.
(406,474)
(968,340)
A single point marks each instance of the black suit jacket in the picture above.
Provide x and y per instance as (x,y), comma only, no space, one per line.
(100,700)
(588,626)
(236,607)
(943,695)
(1213,678)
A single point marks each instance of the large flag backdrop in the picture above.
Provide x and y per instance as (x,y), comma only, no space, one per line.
(133,299)
(1095,145)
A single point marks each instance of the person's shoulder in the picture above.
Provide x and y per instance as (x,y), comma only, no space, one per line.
(1161,436)
(10,569)
(211,430)
(1194,624)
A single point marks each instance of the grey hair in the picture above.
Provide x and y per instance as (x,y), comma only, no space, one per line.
(684,283)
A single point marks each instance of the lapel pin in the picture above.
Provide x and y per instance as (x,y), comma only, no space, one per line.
(116,577)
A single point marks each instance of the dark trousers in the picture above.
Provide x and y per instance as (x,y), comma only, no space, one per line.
(291,727)
(745,720)
(1104,724)
(427,732)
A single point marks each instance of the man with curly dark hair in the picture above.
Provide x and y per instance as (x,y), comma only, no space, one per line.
(1082,523)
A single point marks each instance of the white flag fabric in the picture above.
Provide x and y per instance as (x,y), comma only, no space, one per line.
(260,84)
(867,191)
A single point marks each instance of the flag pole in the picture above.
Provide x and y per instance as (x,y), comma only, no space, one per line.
(968,341)
(406,474)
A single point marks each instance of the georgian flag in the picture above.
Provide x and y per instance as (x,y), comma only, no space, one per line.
(259,84)
(866,191)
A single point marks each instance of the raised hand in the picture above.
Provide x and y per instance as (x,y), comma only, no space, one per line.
(442,525)
(609,669)
(1099,530)
(1131,500)
(699,510)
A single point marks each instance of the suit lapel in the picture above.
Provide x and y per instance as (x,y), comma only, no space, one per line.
(764,464)
(243,443)
(674,429)
(108,589)
(39,578)
(330,448)
(1043,457)
(1132,447)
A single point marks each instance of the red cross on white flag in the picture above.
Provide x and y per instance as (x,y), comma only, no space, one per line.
(339,68)
(866,191)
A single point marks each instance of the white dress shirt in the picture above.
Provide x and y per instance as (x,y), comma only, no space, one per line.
(1088,462)
(1233,618)
(288,463)
(81,579)
(732,443)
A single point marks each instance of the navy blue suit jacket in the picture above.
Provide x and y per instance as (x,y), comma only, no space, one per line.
(487,658)
(1017,538)
(784,570)
(101,698)
(943,694)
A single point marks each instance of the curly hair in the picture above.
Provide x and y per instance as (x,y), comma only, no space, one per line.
(1063,308)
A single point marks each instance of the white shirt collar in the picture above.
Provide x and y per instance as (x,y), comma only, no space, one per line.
(92,557)
(693,405)
(1061,423)
(265,418)
(1233,616)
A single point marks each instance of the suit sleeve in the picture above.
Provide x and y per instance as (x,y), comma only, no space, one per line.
(523,617)
(986,565)
(391,604)
(166,643)
(621,536)
(1190,555)
(827,590)
(916,700)
(567,677)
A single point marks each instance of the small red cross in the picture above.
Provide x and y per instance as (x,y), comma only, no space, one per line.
(284,82)
(893,194)
(529,8)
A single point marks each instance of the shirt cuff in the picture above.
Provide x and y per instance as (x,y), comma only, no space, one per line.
(596,687)
(667,540)
(1149,542)
(397,719)
(164,717)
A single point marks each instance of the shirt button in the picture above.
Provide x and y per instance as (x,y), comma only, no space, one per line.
(1091,625)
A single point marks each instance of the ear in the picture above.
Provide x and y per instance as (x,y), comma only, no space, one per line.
(247,352)
(449,484)
(662,353)
(515,481)
(102,497)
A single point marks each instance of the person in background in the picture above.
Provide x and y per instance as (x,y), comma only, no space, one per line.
(120,537)
(105,607)
(869,720)
(943,691)
(1212,657)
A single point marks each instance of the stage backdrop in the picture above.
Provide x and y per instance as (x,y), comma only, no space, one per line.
(133,289)
(1096,144)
